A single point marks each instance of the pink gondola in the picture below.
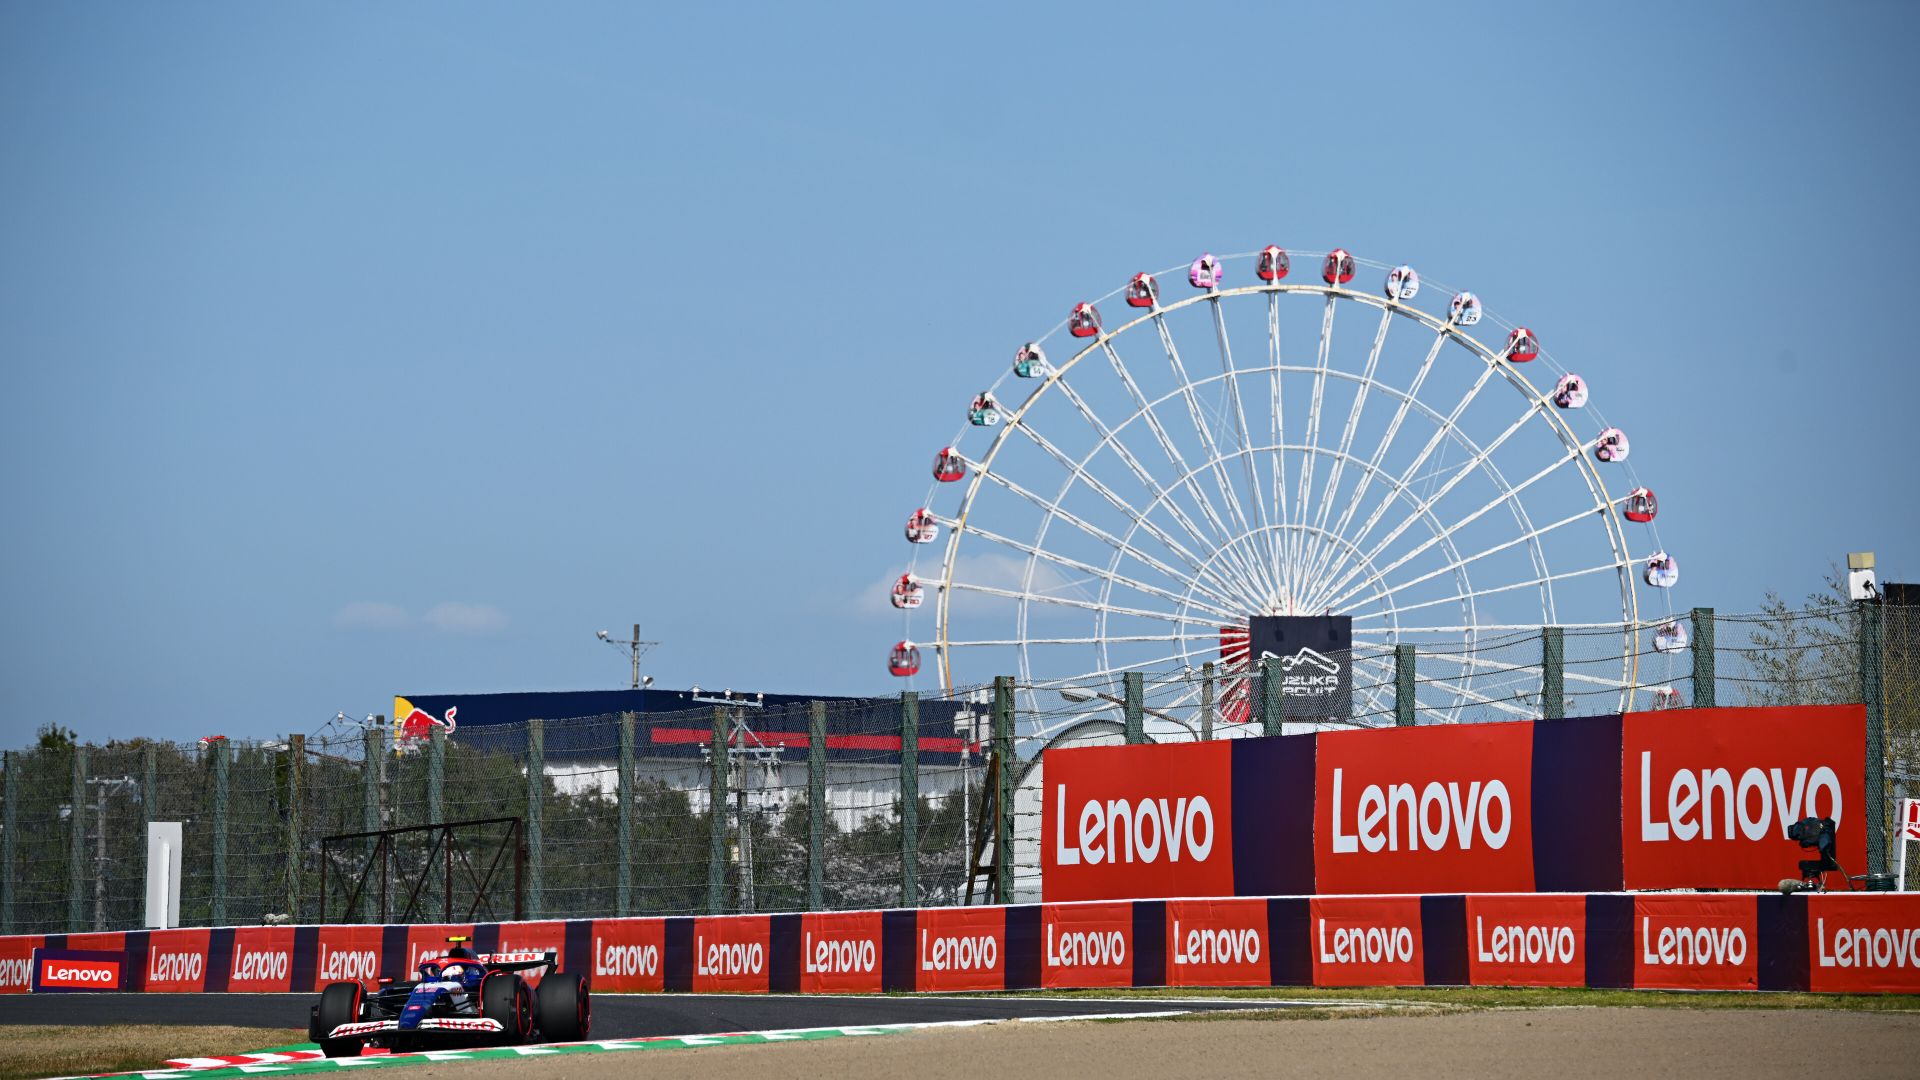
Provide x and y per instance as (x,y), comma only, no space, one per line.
(1205,272)
(1611,446)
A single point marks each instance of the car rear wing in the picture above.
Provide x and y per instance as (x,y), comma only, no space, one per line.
(522,960)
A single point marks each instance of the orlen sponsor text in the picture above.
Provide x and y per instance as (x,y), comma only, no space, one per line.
(1775,804)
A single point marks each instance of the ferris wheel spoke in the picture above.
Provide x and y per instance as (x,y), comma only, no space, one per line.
(1006,642)
(1106,672)
(1338,471)
(1202,427)
(1053,510)
(1249,467)
(1307,545)
(1526,537)
(1075,564)
(1408,631)
(1469,661)
(1541,580)
(1084,605)
(1289,579)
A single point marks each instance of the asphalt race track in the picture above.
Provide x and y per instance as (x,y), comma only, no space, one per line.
(614,1016)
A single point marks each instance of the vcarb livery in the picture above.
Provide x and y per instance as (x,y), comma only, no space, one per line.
(1086,945)
(1708,794)
(960,949)
(1218,943)
(1367,941)
(730,953)
(1695,942)
(840,952)
(1864,944)
(627,955)
(1526,940)
(1424,809)
(1127,821)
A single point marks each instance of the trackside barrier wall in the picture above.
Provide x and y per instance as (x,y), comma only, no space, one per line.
(1841,942)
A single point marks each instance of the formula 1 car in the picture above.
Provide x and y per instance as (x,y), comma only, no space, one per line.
(458,999)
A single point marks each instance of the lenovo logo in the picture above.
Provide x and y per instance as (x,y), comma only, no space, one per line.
(723,958)
(1121,831)
(16,972)
(175,967)
(75,973)
(625,959)
(958,953)
(1434,816)
(259,966)
(1692,946)
(1218,946)
(1759,803)
(1859,946)
(1529,944)
(1086,948)
(1365,945)
(348,966)
(839,956)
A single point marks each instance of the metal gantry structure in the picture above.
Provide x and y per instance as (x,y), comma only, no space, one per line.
(1153,491)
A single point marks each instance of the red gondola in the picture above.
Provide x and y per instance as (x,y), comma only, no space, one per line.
(1084,322)
(904,660)
(1641,505)
(1272,265)
(1522,345)
(921,528)
(908,593)
(1338,269)
(1143,291)
(947,466)
(1667,697)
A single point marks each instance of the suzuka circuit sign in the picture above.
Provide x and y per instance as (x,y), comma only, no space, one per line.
(1315,654)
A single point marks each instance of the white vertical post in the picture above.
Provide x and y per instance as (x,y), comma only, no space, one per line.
(163,874)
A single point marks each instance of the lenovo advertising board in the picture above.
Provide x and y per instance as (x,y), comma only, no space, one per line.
(1864,943)
(960,949)
(1708,794)
(1132,821)
(1527,940)
(840,952)
(261,960)
(730,953)
(1695,942)
(1425,809)
(16,962)
(1367,941)
(1218,943)
(626,955)
(1086,944)
(1315,660)
(66,971)
(348,954)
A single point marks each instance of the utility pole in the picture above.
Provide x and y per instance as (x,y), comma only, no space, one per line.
(635,649)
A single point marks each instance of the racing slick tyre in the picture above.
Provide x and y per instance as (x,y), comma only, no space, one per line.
(506,999)
(339,1004)
(566,1013)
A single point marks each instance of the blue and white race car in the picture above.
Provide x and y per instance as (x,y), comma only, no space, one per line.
(458,999)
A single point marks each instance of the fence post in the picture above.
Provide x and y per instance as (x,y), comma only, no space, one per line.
(816,805)
(623,873)
(437,776)
(1206,702)
(909,799)
(1003,798)
(1703,673)
(1134,707)
(9,829)
(536,845)
(1553,673)
(717,816)
(1403,686)
(77,852)
(1873,692)
(149,787)
(373,762)
(296,760)
(1272,710)
(217,903)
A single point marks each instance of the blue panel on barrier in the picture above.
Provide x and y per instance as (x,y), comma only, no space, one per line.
(1609,941)
(1273,816)
(896,950)
(783,954)
(576,953)
(1149,943)
(1782,949)
(677,961)
(1576,804)
(305,965)
(1290,940)
(393,952)
(219,960)
(1443,940)
(1023,947)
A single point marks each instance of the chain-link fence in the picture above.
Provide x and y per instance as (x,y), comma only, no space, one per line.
(829,806)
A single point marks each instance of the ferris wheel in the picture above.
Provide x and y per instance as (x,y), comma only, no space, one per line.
(1151,482)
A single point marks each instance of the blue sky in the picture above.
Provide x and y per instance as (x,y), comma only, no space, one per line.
(360,349)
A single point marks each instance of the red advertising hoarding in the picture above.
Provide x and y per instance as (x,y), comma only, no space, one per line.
(176,961)
(347,954)
(1367,941)
(1218,943)
(1129,821)
(1707,794)
(531,941)
(730,953)
(961,949)
(1863,943)
(262,960)
(1430,809)
(430,940)
(1527,940)
(1086,944)
(16,962)
(840,952)
(1695,942)
(626,955)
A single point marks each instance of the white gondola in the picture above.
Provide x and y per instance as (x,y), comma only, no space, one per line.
(922,528)
(1670,638)
(1030,362)
(908,593)
(1465,309)
(1611,446)
(1403,283)
(1663,571)
(1570,392)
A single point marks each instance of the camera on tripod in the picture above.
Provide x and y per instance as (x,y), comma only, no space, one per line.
(1816,834)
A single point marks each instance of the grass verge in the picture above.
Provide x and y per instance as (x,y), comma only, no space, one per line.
(28,1051)
(1480,997)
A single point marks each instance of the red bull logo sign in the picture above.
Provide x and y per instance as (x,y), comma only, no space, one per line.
(413,726)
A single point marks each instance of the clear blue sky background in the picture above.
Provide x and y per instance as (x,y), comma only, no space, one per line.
(353,349)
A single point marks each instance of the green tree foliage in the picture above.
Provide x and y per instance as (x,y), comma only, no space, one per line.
(1805,654)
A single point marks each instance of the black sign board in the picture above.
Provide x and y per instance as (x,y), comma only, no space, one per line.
(1314,655)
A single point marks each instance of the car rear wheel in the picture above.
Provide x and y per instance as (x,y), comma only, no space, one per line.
(504,999)
(566,1012)
(339,1004)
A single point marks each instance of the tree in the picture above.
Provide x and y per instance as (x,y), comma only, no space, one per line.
(1805,655)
